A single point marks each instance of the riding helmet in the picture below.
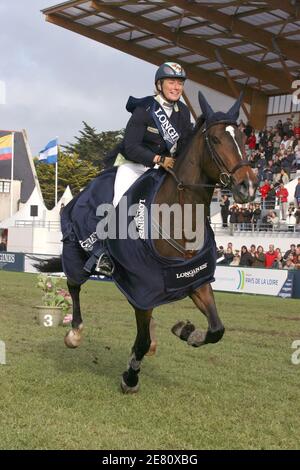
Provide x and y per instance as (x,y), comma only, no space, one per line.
(170,70)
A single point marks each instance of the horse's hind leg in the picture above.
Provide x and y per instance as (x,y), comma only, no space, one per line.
(130,379)
(203,298)
(73,337)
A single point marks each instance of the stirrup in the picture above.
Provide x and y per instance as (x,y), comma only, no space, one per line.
(104,266)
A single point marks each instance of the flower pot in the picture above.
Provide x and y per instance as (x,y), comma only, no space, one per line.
(49,316)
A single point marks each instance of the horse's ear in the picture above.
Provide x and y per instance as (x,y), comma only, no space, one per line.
(205,107)
(234,111)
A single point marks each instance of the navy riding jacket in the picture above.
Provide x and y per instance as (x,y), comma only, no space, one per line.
(142,140)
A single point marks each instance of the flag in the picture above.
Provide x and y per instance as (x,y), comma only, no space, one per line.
(6,147)
(49,153)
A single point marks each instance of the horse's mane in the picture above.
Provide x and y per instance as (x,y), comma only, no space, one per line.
(199,123)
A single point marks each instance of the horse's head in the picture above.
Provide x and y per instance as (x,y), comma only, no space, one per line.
(226,147)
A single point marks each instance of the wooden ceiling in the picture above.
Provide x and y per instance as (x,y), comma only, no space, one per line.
(227,45)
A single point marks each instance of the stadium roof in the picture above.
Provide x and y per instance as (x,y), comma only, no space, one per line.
(224,44)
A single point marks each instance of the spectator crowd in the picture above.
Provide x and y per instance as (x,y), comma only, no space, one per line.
(257,257)
(274,154)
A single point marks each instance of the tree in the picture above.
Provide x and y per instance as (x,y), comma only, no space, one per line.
(92,146)
(71,171)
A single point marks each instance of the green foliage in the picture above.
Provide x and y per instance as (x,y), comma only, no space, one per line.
(71,171)
(53,294)
(92,146)
(78,164)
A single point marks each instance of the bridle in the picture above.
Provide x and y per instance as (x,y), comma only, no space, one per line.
(226,176)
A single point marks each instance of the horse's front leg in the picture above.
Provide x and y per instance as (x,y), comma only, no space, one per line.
(73,336)
(203,298)
(142,345)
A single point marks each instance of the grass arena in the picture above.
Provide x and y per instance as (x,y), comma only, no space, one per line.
(241,393)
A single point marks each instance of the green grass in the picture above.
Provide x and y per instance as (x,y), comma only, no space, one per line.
(242,393)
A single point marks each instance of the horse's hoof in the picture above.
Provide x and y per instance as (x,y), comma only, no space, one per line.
(196,338)
(73,337)
(129,390)
(183,329)
(152,349)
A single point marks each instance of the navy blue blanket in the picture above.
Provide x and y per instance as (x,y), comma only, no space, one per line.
(146,278)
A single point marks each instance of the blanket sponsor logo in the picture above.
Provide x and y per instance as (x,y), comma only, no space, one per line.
(140,218)
(192,272)
(88,244)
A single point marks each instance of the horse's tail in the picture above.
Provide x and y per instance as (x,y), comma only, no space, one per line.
(52,265)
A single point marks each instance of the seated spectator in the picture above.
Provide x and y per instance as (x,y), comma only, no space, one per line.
(290,218)
(233,212)
(246,258)
(270,256)
(289,264)
(259,261)
(264,189)
(224,203)
(236,261)
(251,141)
(228,257)
(284,177)
(273,219)
(297,264)
(3,245)
(256,216)
(292,251)
(268,172)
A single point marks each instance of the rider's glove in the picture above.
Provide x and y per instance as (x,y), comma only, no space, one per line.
(167,162)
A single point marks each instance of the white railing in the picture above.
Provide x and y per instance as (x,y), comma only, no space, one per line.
(48,224)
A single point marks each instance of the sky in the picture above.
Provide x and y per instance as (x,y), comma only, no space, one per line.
(55,79)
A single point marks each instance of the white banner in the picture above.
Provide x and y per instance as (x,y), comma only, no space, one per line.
(253,281)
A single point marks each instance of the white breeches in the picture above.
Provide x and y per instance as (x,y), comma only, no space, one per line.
(126,175)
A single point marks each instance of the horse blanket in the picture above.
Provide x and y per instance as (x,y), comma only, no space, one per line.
(145,277)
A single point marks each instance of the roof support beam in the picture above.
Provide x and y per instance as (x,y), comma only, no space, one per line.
(290,49)
(284,6)
(250,67)
(203,77)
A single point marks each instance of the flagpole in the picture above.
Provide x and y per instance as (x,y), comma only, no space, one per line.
(12,172)
(56,177)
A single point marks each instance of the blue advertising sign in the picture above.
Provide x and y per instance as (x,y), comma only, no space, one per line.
(12,261)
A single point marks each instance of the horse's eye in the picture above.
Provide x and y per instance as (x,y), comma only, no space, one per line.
(215,139)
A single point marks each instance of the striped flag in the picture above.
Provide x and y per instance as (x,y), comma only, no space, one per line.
(6,147)
(50,152)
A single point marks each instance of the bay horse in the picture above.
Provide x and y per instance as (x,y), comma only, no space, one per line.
(214,155)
